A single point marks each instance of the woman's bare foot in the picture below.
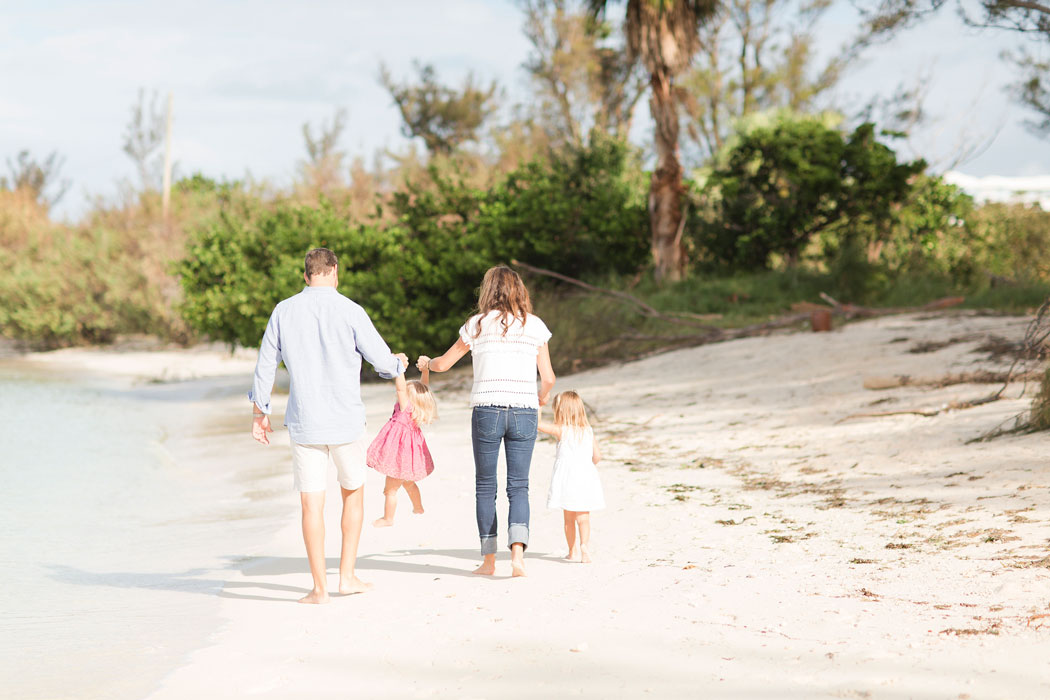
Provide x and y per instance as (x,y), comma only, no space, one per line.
(382,522)
(315,597)
(350,586)
(585,558)
(488,567)
(517,567)
(573,555)
(418,511)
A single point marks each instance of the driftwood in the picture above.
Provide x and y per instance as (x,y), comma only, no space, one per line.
(853,311)
(715,334)
(640,306)
(925,413)
(978,377)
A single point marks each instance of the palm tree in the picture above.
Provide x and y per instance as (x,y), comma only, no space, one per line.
(665,35)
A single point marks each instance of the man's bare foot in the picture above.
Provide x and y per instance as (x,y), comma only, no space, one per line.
(585,558)
(517,567)
(315,597)
(418,511)
(353,585)
(382,522)
(573,555)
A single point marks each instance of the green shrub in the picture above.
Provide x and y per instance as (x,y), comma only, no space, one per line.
(70,288)
(578,212)
(776,186)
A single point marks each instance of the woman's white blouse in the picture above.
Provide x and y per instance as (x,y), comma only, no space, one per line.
(504,364)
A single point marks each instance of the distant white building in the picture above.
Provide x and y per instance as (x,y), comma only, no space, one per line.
(999,188)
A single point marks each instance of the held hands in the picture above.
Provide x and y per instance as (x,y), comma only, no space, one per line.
(423,363)
(261,426)
(402,358)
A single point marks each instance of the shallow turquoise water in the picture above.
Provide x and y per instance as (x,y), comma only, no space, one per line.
(115,536)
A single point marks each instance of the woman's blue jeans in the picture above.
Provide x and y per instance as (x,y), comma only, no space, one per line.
(516,428)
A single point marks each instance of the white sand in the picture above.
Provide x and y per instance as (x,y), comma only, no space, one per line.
(744,553)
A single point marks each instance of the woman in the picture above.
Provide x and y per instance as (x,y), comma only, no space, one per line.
(507,344)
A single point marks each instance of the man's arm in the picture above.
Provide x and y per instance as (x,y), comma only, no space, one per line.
(375,350)
(262,384)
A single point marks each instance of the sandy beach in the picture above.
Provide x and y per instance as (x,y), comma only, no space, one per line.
(759,542)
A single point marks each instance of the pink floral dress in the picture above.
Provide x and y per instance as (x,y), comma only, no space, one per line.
(399,450)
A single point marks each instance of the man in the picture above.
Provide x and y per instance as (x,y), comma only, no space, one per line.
(322,336)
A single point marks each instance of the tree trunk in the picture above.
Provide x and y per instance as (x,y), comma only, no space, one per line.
(665,190)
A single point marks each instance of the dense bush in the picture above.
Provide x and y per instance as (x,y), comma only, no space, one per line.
(579,212)
(64,286)
(778,185)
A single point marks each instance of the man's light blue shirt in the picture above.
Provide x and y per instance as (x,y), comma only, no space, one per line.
(321,336)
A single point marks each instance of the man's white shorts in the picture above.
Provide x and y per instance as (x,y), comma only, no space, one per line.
(310,465)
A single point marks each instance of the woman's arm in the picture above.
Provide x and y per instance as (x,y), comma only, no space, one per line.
(596,454)
(446,361)
(547,378)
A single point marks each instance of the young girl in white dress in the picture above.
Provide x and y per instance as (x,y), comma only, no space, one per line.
(575,486)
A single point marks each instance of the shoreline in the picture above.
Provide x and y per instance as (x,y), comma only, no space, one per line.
(754,543)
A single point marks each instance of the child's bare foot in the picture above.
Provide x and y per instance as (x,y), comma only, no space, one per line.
(382,522)
(353,585)
(488,566)
(585,558)
(573,555)
(418,511)
(315,597)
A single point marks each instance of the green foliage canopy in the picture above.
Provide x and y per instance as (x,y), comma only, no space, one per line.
(778,185)
(579,212)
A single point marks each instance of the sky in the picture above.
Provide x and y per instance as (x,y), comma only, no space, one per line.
(245,76)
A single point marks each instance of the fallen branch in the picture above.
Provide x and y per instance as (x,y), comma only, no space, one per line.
(853,311)
(685,319)
(925,413)
(978,377)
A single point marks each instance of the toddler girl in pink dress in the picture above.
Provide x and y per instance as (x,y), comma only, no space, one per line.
(399,451)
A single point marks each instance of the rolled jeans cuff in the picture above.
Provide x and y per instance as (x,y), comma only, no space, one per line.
(518,532)
(488,545)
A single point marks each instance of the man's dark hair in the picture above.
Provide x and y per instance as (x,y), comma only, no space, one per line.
(320,261)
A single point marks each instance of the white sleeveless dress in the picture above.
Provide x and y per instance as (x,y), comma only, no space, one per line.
(574,483)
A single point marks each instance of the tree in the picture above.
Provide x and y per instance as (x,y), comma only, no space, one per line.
(664,35)
(37,177)
(582,83)
(144,138)
(1030,18)
(757,55)
(777,185)
(444,117)
(322,171)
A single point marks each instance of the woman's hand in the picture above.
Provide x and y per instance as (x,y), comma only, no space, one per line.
(423,363)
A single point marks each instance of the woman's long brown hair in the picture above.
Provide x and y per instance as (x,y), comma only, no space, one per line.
(502,290)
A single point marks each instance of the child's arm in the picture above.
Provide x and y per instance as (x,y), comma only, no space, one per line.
(402,391)
(426,375)
(550,429)
(596,454)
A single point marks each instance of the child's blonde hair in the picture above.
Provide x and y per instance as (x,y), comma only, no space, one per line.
(424,406)
(569,410)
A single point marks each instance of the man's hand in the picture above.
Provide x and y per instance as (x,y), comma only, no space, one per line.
(422,363)
(261,426)
(403,358)
(544,399)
